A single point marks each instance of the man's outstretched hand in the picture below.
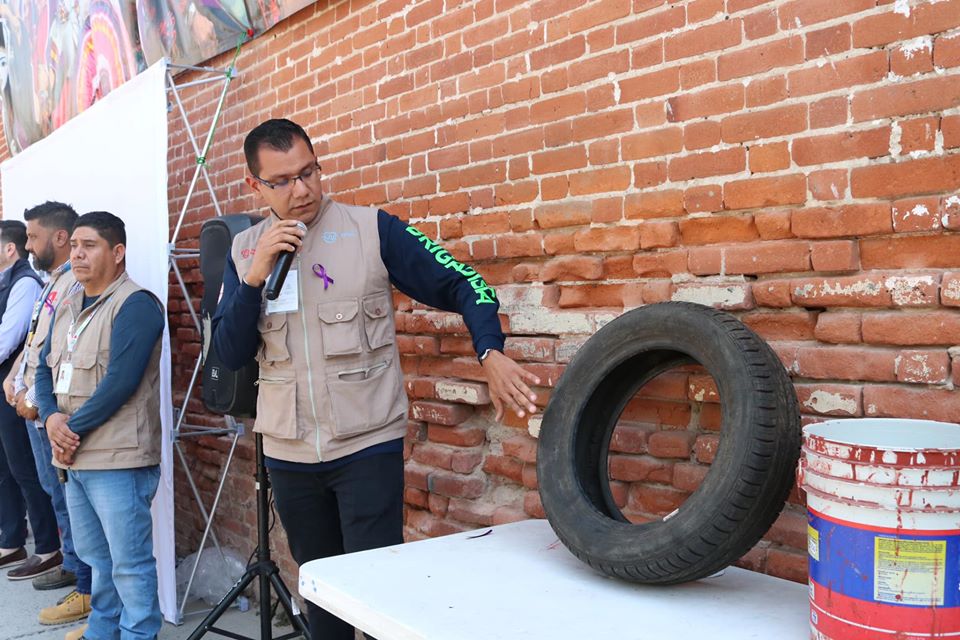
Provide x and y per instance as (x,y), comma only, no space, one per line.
(508,383)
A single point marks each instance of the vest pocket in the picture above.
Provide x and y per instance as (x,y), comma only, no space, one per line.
(339,327)
(122,431)
(85,378)
(277,408)
(273,337)
(377,321)
(365,399)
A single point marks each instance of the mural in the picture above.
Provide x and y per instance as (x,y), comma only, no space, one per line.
(57,57)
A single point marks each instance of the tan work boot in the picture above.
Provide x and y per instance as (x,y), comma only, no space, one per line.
(72,608)
(76,634)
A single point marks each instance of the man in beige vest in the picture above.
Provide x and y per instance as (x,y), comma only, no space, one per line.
(98,391)
(331,404)
(49,226)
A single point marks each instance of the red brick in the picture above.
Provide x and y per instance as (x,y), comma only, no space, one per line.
(650,85)
(760,58)
(567,214)
(769,157)
(658,234)
(765,91)
(696,73)
(600,181)
(923,367)
(458,436)
(790,565)
(825,42)
(654,204)
(851,291)
(888,401)
(872,143)
(701,134)
(918,134)
(765,192)
(455,485)
(892,26)
(658,501)
(723,99)
(730,297)
(505,467)
(663,264)
(650,25)
(650,174)
(837,255)
(830,399)
(828,112)
(849,220)
(705,448)
(559,160)
(930,175)
(915,252)
(702,165)
(687,476)
(760,24)
(573,267)
(864,69)
(916,214)
(933,94)
(790,325)
(703,199)
(838,327)
(801,13)
(716,229)
(950,290)
(829,184)
(640,469)
(946,51)
(609,239)
(929,328)
(773,225)
(701,40)
(845,363)
(913,57)
(439,413)
(630,438)
(652,144)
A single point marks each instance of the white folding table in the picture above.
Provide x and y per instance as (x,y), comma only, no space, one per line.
(518,581)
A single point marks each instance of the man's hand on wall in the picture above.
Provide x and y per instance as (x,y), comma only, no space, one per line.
(508,382)
(63,441)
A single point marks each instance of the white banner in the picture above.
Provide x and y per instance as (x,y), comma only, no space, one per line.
(113,157)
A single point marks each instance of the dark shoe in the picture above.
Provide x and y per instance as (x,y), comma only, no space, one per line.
(34,567)
(55,580)
(13,559)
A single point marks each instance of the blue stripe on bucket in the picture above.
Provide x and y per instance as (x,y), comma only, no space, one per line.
(847,560)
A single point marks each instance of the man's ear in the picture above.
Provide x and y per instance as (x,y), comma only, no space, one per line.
(119,253)
(61,238)
(254,185)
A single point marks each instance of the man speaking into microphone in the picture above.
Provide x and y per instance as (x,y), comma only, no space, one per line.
(331,404)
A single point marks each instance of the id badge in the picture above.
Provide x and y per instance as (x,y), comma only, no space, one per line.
(289,299)
(63,378)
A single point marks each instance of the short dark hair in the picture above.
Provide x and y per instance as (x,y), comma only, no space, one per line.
(52,215)
(16,232)
(279,134)
(109,226)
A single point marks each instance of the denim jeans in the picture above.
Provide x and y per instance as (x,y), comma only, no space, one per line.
(113,533)
(43,454)
(21,494)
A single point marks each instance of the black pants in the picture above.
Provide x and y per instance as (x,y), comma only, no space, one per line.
(21,494)
(355,507)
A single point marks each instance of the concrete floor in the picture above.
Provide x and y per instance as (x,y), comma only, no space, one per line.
(22,603)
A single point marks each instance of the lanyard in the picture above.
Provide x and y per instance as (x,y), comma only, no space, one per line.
(73,333)
(41,302)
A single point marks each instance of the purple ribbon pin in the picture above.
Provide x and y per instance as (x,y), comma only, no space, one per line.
(320,272)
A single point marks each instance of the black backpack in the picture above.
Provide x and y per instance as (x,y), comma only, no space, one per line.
(224,391)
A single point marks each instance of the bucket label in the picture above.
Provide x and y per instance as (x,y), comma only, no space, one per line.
(813,543)
(909,571)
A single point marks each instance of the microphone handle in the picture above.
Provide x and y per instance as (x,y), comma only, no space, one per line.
(279,274)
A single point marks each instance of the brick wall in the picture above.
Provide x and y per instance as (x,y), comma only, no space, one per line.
(794,162)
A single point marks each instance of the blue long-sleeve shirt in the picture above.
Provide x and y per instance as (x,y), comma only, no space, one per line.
(16,319)
(416,265)
(136,329)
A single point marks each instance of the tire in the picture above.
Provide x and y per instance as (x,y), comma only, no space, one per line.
(748,481)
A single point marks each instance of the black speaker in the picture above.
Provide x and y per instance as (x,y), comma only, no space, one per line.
(224,391)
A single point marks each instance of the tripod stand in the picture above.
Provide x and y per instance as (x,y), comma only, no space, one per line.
(265,569)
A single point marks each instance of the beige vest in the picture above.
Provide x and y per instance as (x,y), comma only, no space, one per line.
(131,437)
(330,379)
(59,288)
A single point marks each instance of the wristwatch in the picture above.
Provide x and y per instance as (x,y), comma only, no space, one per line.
(28,403)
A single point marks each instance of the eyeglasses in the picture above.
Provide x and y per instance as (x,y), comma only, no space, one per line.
(286,184)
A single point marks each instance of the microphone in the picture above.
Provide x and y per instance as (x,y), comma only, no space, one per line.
(275,282)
